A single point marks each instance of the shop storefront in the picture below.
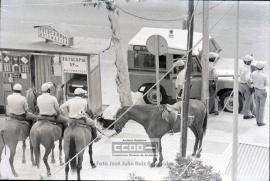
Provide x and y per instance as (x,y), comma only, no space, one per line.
(31,61)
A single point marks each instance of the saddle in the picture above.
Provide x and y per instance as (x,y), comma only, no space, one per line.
(78,121)
(20,118)
(50,119)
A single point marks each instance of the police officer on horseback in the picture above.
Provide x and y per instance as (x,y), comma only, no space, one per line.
(77,108)
(17,105)
(48,106)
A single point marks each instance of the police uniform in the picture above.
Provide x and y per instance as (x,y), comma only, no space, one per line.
(49,107)
(260,82)
(180,79)
(17,105)
(77,107)
(213,100)
(245,86)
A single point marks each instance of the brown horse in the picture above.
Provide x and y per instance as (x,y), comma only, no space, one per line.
(46,133)
(150,117)
(76,137)
(13,132)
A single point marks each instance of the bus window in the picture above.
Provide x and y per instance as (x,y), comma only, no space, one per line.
(145,60)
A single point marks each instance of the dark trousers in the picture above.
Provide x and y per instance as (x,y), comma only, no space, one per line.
(213,100)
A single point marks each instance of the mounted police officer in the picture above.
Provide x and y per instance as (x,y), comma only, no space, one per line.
(49,107)
(17,105)
(246,86)
(260,82)
(77,108)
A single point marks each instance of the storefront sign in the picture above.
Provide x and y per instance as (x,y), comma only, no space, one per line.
(74,64)
(51,34)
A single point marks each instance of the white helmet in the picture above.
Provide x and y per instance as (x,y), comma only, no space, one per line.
(45,87)
(17,87)
(79,91)
(260,65)
(213,56)
(248,58)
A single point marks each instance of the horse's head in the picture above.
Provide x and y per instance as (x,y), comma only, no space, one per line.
(31,97)
(122,119)
(59,93)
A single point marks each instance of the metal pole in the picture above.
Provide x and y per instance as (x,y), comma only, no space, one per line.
(157,68)
(184,127)
(235,101)
(205,56)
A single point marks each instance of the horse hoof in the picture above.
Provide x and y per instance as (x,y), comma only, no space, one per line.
(49,174)
(152,165)
(23,161)
(15,175)
(93,165)
(53,161)
(193,154)
(159,165)
(34,164)
(61,163)
(198,155)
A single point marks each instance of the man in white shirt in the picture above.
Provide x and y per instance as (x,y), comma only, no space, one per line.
(49,107)
(77,108)
(260,82)
(180,79)
(213,78)
(246,85)
(17,105)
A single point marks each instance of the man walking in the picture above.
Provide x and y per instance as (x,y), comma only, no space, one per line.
(17,105)
(77,108)
(246,85)
(260,82)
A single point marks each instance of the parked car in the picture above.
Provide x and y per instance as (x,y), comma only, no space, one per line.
(141,66)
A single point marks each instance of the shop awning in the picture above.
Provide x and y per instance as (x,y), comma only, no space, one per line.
(10,41)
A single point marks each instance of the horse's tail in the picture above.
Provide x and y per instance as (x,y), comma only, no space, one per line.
(205,123)
(72,153)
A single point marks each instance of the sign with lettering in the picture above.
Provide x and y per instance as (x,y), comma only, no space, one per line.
(51,34)
(74,64)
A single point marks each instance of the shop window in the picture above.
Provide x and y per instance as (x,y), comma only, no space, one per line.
(144,60)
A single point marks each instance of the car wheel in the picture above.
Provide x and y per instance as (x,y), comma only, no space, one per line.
(151,96)
(227,102)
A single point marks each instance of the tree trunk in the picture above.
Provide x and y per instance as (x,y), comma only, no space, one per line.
(122,76)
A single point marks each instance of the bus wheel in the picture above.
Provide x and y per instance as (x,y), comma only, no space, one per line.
(151,96)
(227,101)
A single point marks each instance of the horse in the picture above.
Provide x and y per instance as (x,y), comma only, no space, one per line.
(13,132)
(150,117)
(46,133)
(76,136)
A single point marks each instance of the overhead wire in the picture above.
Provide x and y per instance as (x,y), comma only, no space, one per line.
(173,66)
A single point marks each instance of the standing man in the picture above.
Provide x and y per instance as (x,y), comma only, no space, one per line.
(213,78)
(246,85)
(180,79)
(17,105)
(49,107)
(77,108)
(260,82)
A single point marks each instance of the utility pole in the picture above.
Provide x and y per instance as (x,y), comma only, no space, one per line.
(184,126)
(235,100)
(205,56)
